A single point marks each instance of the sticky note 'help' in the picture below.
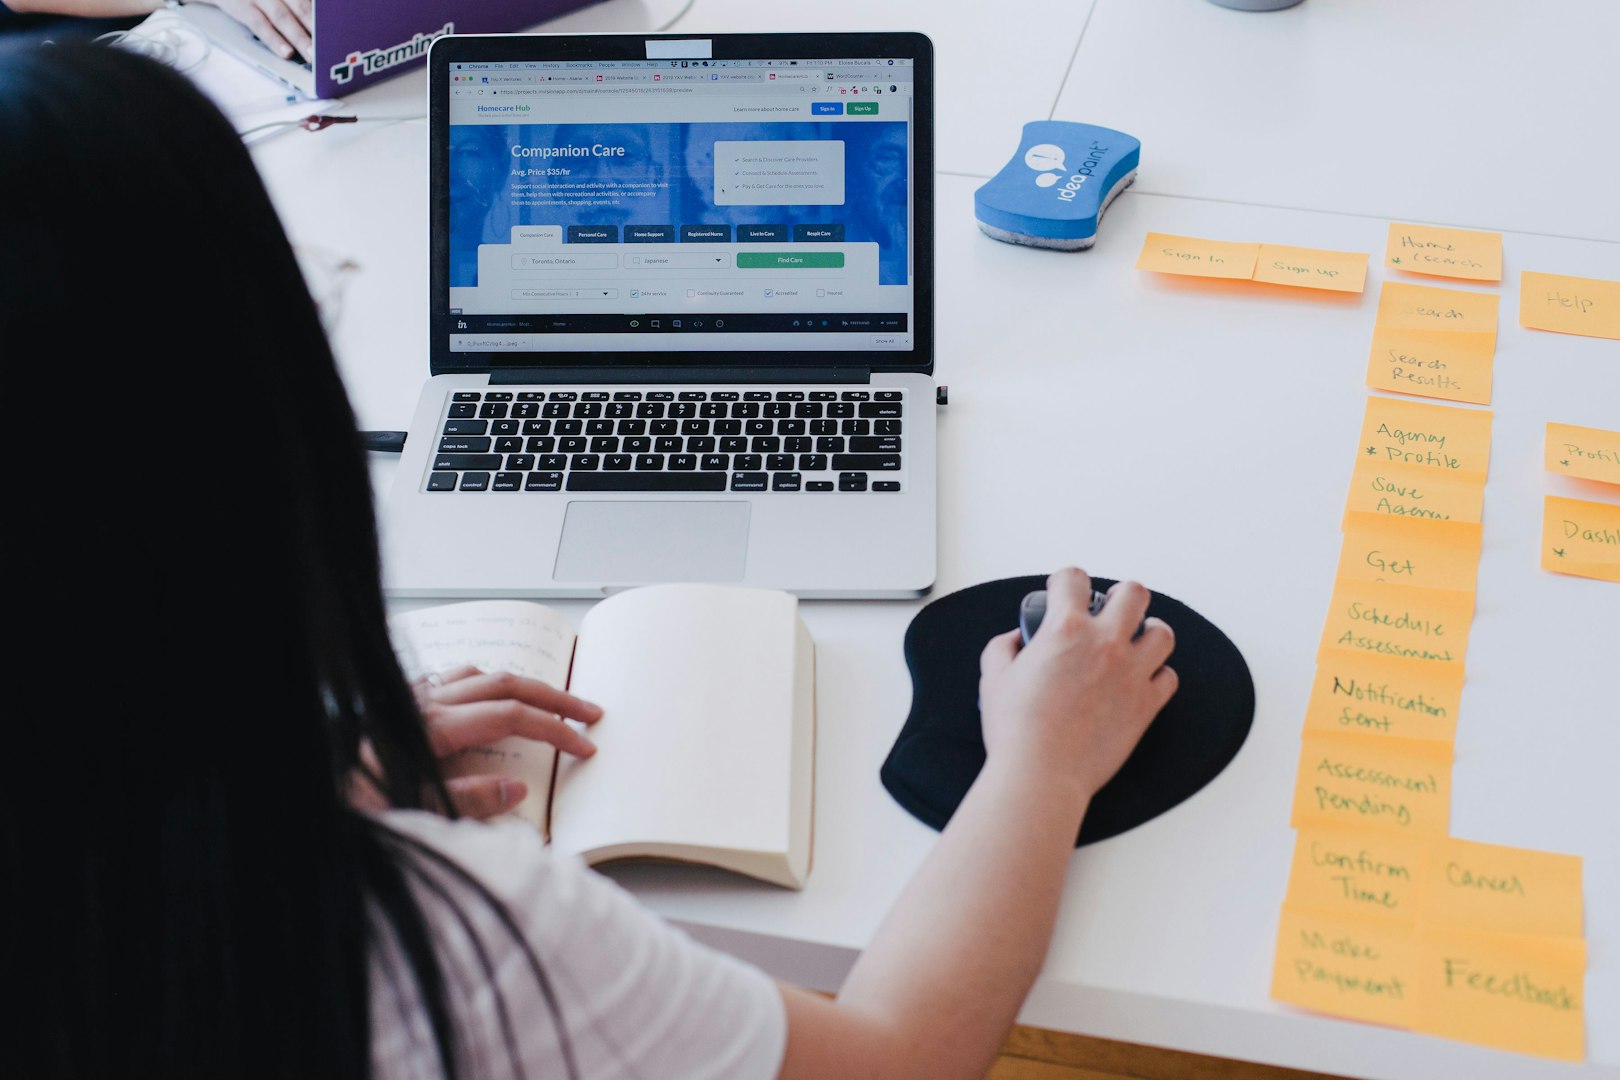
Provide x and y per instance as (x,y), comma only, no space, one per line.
(1452,253)
(1569,305)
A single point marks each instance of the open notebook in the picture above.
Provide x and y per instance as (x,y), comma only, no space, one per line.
(706,749)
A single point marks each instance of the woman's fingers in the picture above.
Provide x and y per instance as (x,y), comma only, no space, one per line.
(485,796)
(500,685)
(453,728)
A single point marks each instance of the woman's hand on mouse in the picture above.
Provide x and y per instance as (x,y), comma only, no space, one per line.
(1075,700)
(469,708)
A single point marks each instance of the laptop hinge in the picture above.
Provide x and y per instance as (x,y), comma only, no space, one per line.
(662,374)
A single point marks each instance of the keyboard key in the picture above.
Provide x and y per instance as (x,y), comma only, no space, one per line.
(540,445)
(616,462)
(665,427)
(830,444)
(694,427)
(776,410)
(880,410)
(693,395)
(552,462)
(650,410)
(786,481)
(860,427)
(819,485)
(797,445)
(808,410)
(712,410)
(866,462)
(605,444)
(779,462)
(823,427)
(823,395)
(747,462)
(627,395)
(450,444)
(475,481)
(584,462)
(766,444)
(757,395)
(683,462)
(885,427)
(460,462)
(790,395)
(619,410)
(587,410)
(564,395)
(702,444)
(493,410)
(790,427)
(646,481)
(856,395)
(537,427)
(715,462)
(508,481)
(745,410)
(885,485)
(530,395)
(543,481)
(520,462)
(649,462)
(813,462)
(598,427)
(748,481)
(466,427)
(465,395)
(554,410)
(632,427)
(637,444)
(498,395)
(595,395)
(852,481)
(441,481)
(841,410)
(511,444)
(682,410)
(724,395)
(660,395)
(574,444)
(887,395)
(759,427)
(462,412)
(734,444)
(728,427)
(525,409)
(568,427)
(875,444)
(669,444)
(504,427)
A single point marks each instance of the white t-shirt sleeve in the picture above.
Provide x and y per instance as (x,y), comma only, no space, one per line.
(638,999)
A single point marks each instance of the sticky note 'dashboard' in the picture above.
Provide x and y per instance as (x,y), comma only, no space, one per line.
(1439,252)
(1580,538)
(1193,257)
(1589,307)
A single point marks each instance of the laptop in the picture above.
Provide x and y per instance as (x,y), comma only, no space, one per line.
(681,318)
(232,37)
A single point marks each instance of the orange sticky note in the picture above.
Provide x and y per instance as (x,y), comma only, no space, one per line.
(1399,551)
(1352,782)
(1356,872)
(1471,886)
(1399,620)
(1512,992)
(1452,253)
(1190,256)
(1424,307)
(1569,305)
(1382,697)
(1580,538)
(1455,366)
(1414,493)
(1364,969)
(1434,438)
(1312,268)
(1588,453)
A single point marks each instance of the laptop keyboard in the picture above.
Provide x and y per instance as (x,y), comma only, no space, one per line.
(670,440)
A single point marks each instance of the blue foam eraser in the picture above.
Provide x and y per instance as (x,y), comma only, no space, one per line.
(1053,192)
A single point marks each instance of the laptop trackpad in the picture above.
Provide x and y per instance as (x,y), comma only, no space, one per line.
(634,542)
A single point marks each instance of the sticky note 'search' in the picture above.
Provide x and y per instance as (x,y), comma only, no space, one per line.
(1054,191)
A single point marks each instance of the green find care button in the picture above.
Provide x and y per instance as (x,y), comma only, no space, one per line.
(789,260)
(861,108)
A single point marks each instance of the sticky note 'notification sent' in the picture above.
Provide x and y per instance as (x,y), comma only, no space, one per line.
(779,173)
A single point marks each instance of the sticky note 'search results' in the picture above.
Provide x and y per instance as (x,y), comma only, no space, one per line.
(1309,268)
(1580,538)
(1589,307)
(1452,253)
(1583,452)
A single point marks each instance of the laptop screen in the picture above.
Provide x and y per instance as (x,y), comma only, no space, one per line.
(742,206)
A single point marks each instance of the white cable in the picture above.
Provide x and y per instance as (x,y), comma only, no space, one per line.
(164,38)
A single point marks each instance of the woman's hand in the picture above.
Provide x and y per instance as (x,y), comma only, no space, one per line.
(1078,697)
(466,708)
(283,25)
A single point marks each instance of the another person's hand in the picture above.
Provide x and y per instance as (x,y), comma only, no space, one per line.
(1078,697)
(284,25)
(466,708)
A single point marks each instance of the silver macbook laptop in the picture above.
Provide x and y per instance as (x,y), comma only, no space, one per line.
(681,318)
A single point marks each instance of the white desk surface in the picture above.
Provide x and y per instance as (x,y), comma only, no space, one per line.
(1198,437)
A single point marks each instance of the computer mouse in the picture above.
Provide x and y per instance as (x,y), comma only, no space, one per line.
(1033,610)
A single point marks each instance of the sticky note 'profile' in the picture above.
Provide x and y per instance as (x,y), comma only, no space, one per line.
(1055,189)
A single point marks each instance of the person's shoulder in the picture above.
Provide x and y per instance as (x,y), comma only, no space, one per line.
(507,858)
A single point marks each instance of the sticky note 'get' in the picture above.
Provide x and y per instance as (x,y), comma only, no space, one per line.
(1401,551)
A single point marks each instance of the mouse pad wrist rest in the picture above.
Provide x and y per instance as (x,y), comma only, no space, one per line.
(940,750)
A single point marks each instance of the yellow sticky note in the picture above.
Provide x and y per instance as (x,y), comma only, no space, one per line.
(1470,886)
(1452,253)
(1357,872)
(1382,697)
(1525,994)
(1402,306)
(1399,620)
(1193,257)
(1587,453)
(1455,366)
(1580,538)
(1403,551)
(1352,782)
(1364,969)
(1435,438)
(1414,493)
(1312,268)
(1569,305)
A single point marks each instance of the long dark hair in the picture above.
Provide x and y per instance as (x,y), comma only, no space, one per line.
(191,555)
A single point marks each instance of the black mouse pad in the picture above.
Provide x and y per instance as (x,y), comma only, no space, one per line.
(940,750)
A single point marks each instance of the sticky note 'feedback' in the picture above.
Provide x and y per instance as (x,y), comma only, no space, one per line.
(1581,538)
(1584,452)
(1517,993)
(1350,782)
(1438,252)
(1190,256)
(1312,268)
(1383,697)
(1569,305)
